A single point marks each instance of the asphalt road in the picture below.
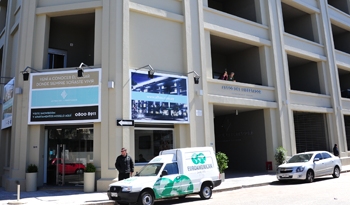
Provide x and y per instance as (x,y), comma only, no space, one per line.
(325,190)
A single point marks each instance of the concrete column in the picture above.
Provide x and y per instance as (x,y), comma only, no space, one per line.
(336,120)
(41,39)
(207,115)
(19,134)
(279,66)
(36,150)
(189,7)
(272,135)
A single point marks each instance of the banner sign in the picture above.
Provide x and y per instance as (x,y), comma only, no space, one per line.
(163,99)
(7,104)
(63,97)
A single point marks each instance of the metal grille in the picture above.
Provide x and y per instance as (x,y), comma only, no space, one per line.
(310,131)
(347,130)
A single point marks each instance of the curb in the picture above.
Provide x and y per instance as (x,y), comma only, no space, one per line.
(242,187)
(253,185)
(102,202)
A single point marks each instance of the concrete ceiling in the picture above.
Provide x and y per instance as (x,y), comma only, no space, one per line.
(290,12)
(343,72)
(337,30)
(296,61)
(79,20)
(226,46)
(220,110)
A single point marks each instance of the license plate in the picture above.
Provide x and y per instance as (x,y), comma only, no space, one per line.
(114,194)
(285,175)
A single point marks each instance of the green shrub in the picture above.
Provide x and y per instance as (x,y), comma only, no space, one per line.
(222,161)
(32,168)
(280,155)
(90,168)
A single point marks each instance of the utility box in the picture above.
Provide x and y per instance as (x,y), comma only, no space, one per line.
(269,166)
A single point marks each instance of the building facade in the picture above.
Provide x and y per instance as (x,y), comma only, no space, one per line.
(290,59)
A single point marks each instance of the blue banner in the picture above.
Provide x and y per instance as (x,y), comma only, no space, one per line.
(65,97)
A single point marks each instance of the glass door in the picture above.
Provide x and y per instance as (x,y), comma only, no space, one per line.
(68,151)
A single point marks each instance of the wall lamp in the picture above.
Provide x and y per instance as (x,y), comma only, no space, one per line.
(26,73)
(151,71)
(196,77)
(81,69)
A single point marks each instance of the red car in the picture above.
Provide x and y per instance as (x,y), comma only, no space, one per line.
(70,167)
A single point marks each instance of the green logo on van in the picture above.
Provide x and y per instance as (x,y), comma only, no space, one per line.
(198,158)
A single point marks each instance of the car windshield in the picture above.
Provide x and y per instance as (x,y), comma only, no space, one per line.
(150,169)
(300,158)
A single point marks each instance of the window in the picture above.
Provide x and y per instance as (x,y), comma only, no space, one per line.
(56,59)
(148,143)
(171,168)
(326,155)
(319,156)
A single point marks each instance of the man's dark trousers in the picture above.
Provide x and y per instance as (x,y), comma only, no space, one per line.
(123,176)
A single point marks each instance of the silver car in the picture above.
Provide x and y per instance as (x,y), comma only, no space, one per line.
(308,165)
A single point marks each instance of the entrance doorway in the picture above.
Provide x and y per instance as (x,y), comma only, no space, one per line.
(68,151)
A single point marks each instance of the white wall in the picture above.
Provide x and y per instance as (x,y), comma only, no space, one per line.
(157,42)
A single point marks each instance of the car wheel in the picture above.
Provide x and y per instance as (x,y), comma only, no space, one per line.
(79,171)
(336,172)
(205,192)
(310,176)
(146,198)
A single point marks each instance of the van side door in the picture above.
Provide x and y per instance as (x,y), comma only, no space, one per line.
(168,185)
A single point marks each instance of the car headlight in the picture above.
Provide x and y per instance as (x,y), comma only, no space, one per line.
(300,169)
(127,189)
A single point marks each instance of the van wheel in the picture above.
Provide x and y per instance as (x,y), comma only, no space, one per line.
(146,198)
(205,192)
(336,172)
(309,176)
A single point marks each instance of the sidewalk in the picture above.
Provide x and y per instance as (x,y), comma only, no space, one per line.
(233,181)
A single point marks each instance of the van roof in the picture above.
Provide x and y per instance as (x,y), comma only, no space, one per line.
(186,149)
(164,158)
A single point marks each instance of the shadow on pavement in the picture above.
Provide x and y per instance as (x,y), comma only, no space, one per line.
(4,195)
(188,199)
(297,182)
(229,174)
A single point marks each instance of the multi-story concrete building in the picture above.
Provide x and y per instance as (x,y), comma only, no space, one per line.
(291,64)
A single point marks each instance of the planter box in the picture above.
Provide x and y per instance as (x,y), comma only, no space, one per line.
(31,181)
(222,177)
(89,181)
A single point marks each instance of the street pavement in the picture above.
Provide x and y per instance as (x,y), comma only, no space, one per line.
(233,181)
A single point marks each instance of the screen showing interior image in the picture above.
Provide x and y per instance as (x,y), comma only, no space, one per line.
(163,98)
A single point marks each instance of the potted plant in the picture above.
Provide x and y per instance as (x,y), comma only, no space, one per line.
(89,178)
(280,155)
(31,178)
(222,163)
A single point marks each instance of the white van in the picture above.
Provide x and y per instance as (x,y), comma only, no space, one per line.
(174,173)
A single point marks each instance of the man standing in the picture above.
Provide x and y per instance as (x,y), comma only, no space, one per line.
(124,165)
(335,150)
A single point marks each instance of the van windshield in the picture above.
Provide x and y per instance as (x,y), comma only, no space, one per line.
(150,169)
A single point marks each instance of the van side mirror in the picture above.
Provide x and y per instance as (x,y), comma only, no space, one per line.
(316,159)
(164,172)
